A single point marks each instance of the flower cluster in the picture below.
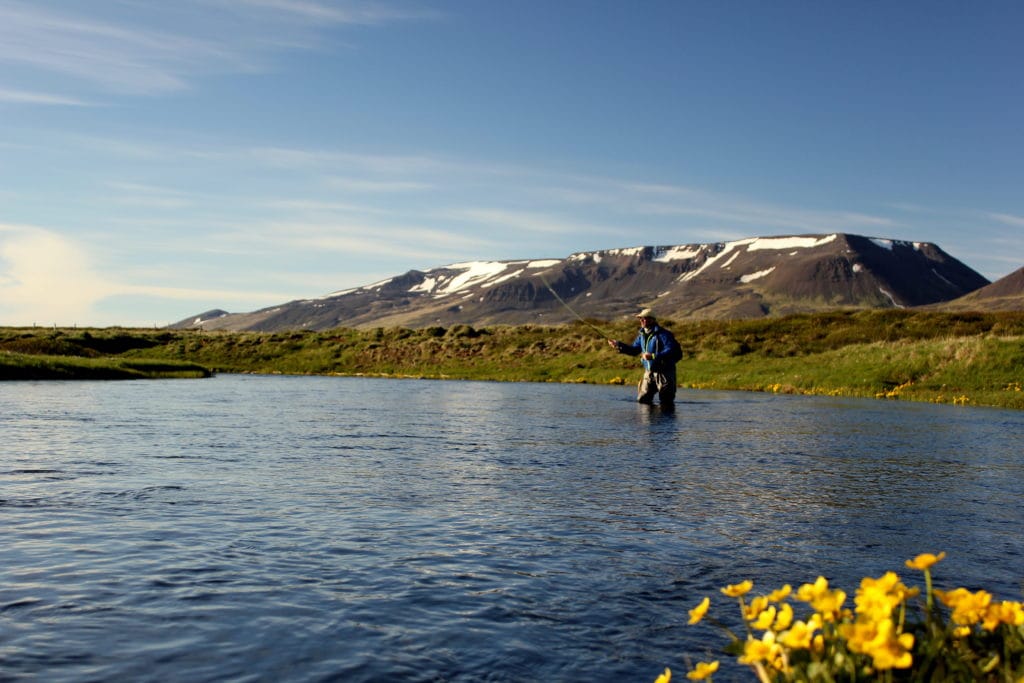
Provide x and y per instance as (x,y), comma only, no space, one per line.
(895,391)
(955,635)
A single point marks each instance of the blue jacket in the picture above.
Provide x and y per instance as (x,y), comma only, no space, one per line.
(658,341)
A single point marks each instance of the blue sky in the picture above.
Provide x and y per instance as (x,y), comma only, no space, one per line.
(158,159)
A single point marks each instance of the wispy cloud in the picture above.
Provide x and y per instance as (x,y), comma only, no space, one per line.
(378,186)
(414,244)
(687,201)
(291,157)
(417,187)
(910,207)
(317,206)
(1008,219)
(365,13)
(578,211)
(150,196)
(523,221)
(118,58)
(26,97)
(165,47)
(225,296)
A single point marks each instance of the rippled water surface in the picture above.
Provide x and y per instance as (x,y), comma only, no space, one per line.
(342,529)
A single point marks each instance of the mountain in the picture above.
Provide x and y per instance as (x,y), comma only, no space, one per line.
(1005,294)
(748,278)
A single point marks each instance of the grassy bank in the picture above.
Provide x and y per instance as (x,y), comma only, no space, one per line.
(970,359)
(24,366)
(62,354)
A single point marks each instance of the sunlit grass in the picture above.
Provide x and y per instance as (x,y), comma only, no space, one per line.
(957,359)
(33,366)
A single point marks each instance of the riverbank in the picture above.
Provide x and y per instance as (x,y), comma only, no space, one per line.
(964,359)
(18,366)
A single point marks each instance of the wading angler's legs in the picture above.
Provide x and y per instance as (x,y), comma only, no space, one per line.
(646,389)
(661,383)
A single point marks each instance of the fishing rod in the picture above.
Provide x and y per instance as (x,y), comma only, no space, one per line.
(569,308)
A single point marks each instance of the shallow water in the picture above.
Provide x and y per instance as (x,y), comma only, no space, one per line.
(343,529)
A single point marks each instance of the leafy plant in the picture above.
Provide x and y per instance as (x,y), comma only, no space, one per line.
(890,634)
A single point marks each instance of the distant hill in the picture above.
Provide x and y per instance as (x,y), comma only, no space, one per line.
(749,278)
(1005,294)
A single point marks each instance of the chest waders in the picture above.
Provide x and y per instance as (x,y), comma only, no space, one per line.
(659,377)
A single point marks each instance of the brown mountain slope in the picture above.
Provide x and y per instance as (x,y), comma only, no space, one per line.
(753,277)
(1005,294)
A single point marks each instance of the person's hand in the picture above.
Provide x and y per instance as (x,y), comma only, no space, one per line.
(647,356)
(612,343)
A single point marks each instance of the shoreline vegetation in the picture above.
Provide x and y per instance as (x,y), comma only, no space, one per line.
(891,632)
(974,359)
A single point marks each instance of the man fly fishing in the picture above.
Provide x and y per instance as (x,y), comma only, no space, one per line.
(659,351)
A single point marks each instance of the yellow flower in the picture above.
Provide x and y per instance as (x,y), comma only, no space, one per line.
(827,602)
(881,641)
(1005,612)
(765,620)
(754,609)
(738,590)
(698,612)
(665,677)
(894,654)
(809,591)
(764,650)
(1014,614)
(968,608)
(801,634)
(784,619)
(925,561)
(876,598)
(702,671)
(780,594)
(858,634)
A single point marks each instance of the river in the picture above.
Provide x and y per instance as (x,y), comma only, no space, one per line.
(256,528)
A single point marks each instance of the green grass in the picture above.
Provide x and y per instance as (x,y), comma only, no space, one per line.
(971,359)
(18,366)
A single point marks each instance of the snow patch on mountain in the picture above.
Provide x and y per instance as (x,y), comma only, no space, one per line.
(584,256)
(477,274)
(208,316)
(780,243)
(473,273)
(756,276)
(891,297)
(681,253)
(729,246)
(507,276)
(427,286)
(889,244)
(731,259)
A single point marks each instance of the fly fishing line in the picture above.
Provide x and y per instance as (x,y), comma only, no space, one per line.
(569,308)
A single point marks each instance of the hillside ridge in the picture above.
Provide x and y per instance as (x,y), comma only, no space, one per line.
(748,278)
